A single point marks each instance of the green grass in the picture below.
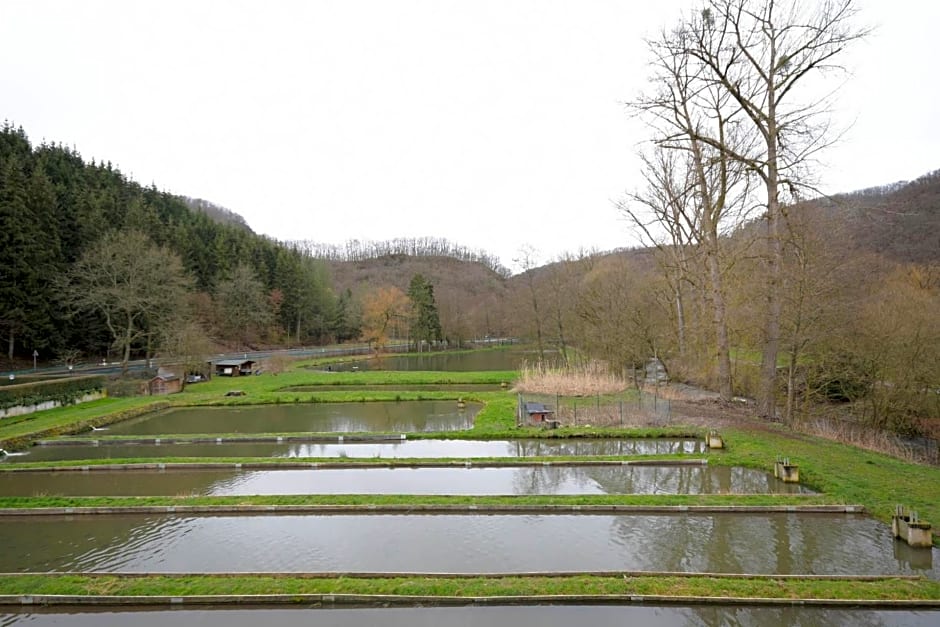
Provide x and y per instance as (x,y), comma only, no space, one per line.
(16,434)
(784,589)
(856,475)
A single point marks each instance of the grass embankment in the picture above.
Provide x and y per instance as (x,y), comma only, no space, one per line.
(718,588)
(21,431)
(877,481)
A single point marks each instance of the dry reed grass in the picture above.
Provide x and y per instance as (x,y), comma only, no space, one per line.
(864,437)
(588,379)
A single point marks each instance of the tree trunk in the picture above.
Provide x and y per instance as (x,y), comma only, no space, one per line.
(680,318)
(791,388)
(561,337)
(767,404)
(128,333)
(722,345)
(11,343)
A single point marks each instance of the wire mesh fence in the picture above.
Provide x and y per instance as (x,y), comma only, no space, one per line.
(630,408)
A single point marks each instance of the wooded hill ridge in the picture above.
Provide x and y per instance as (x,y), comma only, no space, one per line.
(861,288)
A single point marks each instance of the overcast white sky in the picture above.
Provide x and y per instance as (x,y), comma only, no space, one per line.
(492,123)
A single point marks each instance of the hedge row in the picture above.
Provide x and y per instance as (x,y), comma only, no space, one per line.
(65,391)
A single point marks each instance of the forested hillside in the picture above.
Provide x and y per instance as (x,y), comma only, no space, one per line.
(860,295)
(84,250)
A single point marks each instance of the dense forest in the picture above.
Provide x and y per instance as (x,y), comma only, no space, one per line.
(94,264)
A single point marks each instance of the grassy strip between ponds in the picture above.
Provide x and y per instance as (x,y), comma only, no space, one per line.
(639,500)
(718,588)
(20,433)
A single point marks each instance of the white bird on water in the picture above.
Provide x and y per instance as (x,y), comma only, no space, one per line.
(94,428)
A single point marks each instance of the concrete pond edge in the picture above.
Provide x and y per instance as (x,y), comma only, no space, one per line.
(368,600)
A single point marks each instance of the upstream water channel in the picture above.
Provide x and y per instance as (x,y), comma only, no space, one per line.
(537,616)
(526,480)
(364,447)
(722,543)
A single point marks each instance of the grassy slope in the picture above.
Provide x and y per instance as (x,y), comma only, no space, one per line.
(693,586)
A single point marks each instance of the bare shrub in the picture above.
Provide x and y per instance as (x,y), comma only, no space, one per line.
(277,363)
(864,437)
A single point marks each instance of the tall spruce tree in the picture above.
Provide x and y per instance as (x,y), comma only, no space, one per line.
(425,320)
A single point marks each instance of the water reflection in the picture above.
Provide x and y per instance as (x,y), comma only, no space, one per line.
(738,543)
(471,361)
(470,616)
(469,481)
(414,387)
(460,449)
(401,416)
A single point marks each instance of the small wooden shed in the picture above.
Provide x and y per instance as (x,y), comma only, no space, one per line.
(232,367)
(165,383)
(539,413)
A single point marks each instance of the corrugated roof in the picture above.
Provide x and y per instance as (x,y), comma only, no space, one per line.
(233,362)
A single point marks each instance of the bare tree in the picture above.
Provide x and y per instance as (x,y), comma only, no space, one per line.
(694,190)
(244,306)
(761,54)
(527,259)
(134,284)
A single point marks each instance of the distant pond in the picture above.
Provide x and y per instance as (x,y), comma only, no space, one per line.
(458,361)
(393,416)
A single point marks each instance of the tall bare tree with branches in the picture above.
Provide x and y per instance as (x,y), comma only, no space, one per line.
(753,64)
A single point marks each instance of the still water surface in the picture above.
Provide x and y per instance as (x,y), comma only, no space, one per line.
(734,543)
(466,481)
(401,416)
(414,387)
(460,449)
(466,361)
(524,616)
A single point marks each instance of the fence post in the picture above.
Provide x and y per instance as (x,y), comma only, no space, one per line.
(621,412)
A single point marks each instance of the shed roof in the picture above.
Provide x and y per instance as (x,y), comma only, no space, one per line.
(231,363)
(537,408)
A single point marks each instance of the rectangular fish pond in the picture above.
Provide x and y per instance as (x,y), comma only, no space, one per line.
(839,544)
(460,361)
(360,449)
(526,480)
(647,615)
(380,417)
